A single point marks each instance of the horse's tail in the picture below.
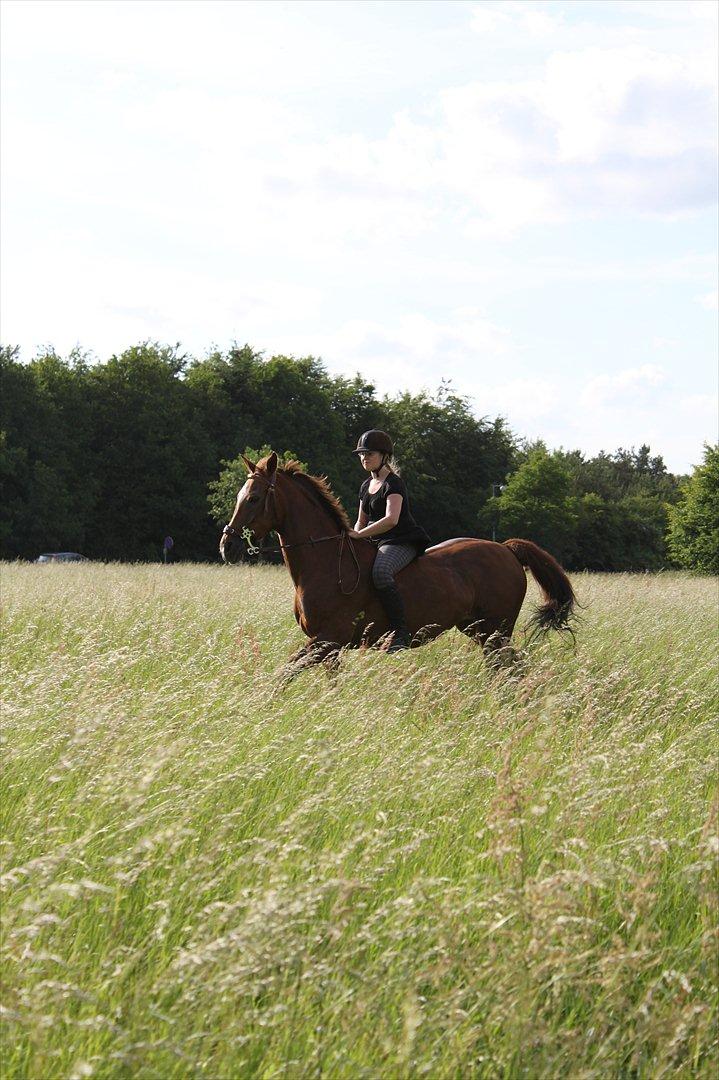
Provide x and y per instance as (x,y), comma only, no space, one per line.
(557,611)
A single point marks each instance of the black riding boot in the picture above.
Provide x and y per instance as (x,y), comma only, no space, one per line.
(393,605)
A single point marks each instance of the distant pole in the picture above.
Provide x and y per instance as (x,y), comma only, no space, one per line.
(497,490)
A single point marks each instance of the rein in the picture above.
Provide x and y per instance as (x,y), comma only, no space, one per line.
(342,537)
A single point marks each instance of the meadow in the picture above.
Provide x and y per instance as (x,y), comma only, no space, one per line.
(412,867)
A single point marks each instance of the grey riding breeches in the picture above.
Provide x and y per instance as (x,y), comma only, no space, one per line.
(390,559)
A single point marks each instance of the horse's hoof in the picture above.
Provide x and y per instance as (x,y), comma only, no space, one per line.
(401,640)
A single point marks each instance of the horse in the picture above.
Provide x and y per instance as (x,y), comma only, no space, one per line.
(477,586)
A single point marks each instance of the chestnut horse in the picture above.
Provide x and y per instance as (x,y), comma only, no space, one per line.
(476,585)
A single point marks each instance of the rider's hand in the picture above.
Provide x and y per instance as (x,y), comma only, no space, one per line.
(353,534)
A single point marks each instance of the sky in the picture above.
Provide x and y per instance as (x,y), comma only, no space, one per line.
(517,197)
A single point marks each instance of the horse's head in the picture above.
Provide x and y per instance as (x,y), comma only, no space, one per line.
(255,508)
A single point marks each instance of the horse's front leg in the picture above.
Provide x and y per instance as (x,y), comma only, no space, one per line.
(315,652)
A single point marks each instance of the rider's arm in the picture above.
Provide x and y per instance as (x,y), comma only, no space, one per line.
(362,518)
(394,509)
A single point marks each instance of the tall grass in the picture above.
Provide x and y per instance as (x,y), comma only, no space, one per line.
(413,867)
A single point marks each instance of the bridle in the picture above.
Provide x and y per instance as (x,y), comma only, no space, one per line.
(343,538)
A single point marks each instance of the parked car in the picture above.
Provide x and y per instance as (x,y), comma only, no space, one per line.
(61,556)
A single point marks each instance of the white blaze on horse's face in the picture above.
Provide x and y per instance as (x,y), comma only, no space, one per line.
(242,493)
(250,502)
(241,498)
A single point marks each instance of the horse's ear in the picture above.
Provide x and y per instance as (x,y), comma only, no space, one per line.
(250,466)
(272,463)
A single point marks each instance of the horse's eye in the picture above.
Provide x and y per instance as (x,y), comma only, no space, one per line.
(253,498)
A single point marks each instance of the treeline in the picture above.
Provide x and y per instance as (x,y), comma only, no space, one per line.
(109,458)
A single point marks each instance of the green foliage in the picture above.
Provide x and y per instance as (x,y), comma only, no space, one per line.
(694,521)
(623,535)
(151,456)
(536,503)
(284,401)
(621,474)
(449,458)
(48,496)
(602,513)
(108,458)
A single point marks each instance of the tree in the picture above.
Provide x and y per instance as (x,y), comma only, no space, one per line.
(20,426)
(623,535)
(625,472)
(693,536)
(283,401)
(48,486)
(536,504)
(449,458)
(109,458)
(151,456)
(355,403)
(221,388)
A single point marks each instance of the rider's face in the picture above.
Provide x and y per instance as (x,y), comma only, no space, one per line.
(370,460)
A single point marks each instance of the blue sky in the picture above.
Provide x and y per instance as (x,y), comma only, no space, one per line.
(517,196)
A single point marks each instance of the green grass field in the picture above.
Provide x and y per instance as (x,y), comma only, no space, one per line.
(415,867)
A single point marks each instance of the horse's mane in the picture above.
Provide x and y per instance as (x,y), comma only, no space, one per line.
(318,488)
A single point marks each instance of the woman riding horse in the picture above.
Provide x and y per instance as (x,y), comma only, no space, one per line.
(385,518)
(475,585)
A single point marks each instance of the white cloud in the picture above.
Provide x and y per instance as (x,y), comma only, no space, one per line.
(602,131)
(623,387)
(599,130)
(114,302)
(525,400)
(515,16)
(670,10)
(194,42)
(626,101)
(487,18)
(709,300)
(303,177)
(701,408)
(412,353)
(660,343)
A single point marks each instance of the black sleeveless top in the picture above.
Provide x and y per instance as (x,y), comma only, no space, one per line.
(406,531)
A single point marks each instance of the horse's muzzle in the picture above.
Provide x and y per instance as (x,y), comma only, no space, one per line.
(230,546)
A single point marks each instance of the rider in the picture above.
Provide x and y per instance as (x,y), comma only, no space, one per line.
(384,517)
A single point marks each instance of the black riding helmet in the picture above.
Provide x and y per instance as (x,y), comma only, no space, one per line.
(374,440)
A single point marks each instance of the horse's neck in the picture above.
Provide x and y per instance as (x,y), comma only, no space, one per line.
(304,520)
